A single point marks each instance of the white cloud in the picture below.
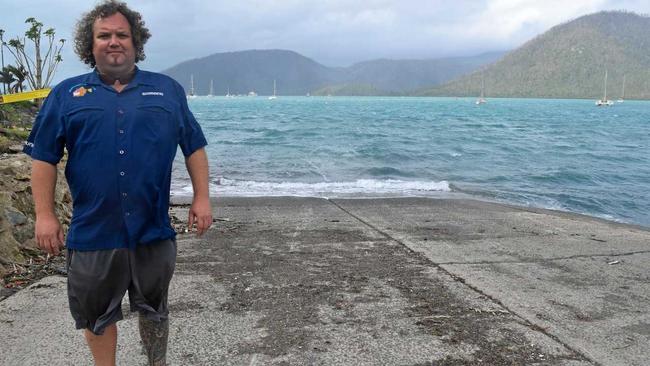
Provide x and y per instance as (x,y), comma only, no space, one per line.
(334,32)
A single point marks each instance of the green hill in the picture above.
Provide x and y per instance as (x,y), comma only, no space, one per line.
(254,70)
(350,90)
(569,61)
(400,76)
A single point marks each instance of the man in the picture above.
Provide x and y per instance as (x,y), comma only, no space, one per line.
(121,127)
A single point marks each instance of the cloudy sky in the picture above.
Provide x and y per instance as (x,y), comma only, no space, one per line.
(332,32)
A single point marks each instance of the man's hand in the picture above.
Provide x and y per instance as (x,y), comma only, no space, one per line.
(201,214)
(49,234)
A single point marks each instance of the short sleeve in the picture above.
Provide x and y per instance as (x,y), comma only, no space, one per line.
(191,135)
(47,138)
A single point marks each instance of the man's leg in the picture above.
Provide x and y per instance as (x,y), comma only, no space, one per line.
(97,281)
(103,346)
(153,268)
(154,339)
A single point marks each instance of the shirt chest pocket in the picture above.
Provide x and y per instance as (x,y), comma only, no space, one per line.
(85,125)
(156,122)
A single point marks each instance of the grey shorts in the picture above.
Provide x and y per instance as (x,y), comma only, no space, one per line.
(98,280)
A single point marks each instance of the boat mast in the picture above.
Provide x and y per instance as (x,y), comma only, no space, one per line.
(605,96)
(623,92)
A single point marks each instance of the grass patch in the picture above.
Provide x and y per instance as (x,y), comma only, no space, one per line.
(17,114)
(19,134)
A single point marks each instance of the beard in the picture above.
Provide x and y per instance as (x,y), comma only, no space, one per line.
(110,76)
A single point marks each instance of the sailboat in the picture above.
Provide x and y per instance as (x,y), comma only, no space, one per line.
(228,92)
(273,96)
(622,98)
(604,102)
(191,94)
(211,84)
(481,99)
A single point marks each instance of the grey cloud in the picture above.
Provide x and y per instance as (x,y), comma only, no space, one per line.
(333,32)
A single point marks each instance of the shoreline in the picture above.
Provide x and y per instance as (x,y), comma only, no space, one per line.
(472,98)
(178,200)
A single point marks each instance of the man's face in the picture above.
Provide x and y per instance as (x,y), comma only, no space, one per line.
(113,45)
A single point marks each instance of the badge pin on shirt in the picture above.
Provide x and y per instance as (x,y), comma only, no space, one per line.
(81,91)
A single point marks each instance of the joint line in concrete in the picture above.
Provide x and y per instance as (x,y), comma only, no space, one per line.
(524,321)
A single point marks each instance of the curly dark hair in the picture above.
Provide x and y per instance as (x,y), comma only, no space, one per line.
(83,37)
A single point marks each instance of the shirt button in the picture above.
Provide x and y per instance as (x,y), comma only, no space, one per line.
(121,152)
(122,173)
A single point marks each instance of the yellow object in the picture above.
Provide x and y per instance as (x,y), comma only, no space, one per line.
(19,97)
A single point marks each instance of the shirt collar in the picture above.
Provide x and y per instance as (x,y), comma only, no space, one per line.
(139,78)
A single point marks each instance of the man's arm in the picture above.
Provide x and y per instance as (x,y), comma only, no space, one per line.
(200,211)
(48,231)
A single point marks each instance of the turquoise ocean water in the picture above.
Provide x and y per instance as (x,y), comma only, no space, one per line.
(559,154)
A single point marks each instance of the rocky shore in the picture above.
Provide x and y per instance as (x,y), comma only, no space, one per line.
(15,122)
(21,262)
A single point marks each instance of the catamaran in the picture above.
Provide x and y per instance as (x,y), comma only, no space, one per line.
(273,96)
(191,94)
(604,102)
(481,99)
(210,94)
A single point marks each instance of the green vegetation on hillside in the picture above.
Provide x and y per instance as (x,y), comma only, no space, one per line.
(351,90)
(569,61)
(20,114)
(255,70)
(15,122)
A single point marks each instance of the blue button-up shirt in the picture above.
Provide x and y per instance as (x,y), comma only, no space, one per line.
(120,152)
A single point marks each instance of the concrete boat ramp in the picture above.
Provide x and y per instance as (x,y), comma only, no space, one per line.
(402,281)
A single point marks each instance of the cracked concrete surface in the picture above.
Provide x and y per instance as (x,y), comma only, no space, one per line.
(305,281)
(583,281)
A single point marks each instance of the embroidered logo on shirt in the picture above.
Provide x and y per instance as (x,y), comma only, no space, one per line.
(81,91)
(153,93)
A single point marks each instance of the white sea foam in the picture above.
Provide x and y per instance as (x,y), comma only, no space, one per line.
(521,151)
(361,187)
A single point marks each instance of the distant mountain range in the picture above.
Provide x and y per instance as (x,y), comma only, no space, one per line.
(569,61)
(254,70)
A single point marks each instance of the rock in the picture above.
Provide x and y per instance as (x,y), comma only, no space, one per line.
(16,149)
(17,208)
(9,246)
(22,227)
(15,218)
